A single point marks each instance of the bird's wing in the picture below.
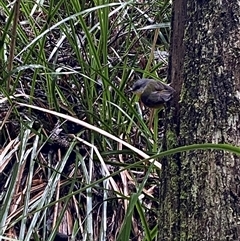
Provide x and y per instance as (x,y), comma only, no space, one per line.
(153,100)
(160,94)
(165,91)
(162,86)
(156,98)
(163,95)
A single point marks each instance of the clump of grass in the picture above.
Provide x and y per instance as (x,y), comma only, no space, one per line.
(58,175)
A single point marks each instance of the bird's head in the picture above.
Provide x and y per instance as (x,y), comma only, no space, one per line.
(139,86)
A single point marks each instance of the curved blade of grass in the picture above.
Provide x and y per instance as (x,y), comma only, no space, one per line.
(67,19)
(205,146)
(94,128)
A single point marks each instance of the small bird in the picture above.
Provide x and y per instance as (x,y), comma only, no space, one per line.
(153,94)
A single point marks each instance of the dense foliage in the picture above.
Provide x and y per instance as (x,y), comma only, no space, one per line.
(60,175)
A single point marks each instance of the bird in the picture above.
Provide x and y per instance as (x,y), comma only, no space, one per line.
(153,94)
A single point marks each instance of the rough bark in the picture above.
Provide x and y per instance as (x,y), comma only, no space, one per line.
(200,193)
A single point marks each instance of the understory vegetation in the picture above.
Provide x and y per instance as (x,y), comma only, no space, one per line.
(75,143)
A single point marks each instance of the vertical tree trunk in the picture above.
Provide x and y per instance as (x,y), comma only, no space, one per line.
(200,192)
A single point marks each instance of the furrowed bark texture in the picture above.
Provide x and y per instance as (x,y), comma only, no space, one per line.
(201,189)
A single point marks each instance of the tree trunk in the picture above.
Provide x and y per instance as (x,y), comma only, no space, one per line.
(200,192)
